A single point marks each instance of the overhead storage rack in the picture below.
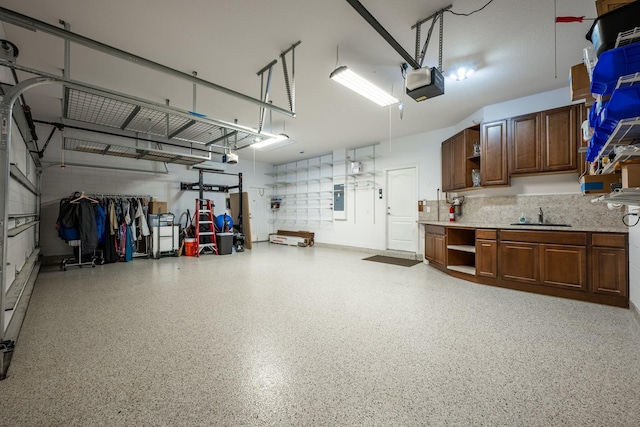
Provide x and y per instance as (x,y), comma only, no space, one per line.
(130,114)
(139,153)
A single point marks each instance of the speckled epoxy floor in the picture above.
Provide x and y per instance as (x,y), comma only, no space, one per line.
(313,336)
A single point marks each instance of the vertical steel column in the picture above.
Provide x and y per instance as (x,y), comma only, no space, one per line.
(66,72)
(240,228)
(195,74)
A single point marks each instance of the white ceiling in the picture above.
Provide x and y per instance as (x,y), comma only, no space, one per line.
(517,45)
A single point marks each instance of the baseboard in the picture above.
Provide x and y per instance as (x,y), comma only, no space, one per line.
(635,312)
(397,254)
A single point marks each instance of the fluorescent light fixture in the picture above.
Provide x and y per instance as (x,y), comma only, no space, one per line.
(461,73)
(348,78)
(273,139)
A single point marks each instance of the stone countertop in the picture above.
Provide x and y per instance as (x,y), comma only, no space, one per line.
(529,227)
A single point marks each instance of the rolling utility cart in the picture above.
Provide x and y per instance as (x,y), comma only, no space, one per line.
(165,235)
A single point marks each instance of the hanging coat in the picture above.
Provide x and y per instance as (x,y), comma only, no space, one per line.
(142,220)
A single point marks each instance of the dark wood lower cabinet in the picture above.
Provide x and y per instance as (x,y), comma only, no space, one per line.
(609,271)
(519,261)
(588,266)
(435,244)
(486,258)
(564,266)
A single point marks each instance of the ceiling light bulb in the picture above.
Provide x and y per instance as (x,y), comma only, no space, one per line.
(270,141)
(470,71)
(461,73)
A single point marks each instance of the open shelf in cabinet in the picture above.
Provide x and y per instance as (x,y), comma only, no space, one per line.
(461,250)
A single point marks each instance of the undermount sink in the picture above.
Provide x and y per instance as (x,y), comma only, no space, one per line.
(535,224)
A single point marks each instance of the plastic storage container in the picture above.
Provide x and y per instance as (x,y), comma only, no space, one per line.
(225,243)
(605,28)
(612,65)
(190,247)
(624,104)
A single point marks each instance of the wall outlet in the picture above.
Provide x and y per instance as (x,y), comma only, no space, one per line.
(428,209)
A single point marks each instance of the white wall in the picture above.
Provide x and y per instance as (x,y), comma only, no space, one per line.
(366,213)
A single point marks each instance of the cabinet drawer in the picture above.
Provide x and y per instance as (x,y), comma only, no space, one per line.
(609,240)
(433,229)
(486,234)
(553,237)
(164,231)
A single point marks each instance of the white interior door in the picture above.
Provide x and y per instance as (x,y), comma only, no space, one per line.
(402,217)
(259,214)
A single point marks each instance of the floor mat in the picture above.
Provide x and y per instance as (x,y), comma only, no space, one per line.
(391,260)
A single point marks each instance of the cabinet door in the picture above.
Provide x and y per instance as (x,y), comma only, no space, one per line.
(447,165)
(486,258)
(493,153)
(559,139)
(440,250)
(609,271)
(524,144)
(519,262)
(564,266)
(459,161)
(430,246)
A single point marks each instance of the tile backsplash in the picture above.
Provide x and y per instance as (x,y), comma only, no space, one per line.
(574,209)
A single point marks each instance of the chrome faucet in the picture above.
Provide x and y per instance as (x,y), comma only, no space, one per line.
(540,216)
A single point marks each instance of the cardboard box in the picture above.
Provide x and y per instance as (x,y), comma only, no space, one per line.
(157,207)
(288,240)
(579,84)
(631,175)
(591,184)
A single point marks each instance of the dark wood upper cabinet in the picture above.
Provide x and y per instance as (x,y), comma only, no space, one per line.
(524,144)
(447,165)
(543,142)
(493,153)
(456,163)
(459,161)
(559,139)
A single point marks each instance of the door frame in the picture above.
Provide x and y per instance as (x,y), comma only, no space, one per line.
(415,166)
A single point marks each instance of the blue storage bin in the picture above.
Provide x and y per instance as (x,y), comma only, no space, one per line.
(598,140)
(611,65)
(624,104)
(594,113)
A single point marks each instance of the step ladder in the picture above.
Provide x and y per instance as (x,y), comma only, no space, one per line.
(205,238)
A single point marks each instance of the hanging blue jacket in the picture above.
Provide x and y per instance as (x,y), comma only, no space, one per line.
(101,218)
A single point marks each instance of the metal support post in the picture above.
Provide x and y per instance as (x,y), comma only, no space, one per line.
(265,90)
(66,72)
(240,203)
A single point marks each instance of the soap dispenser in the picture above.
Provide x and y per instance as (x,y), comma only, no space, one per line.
(522,219)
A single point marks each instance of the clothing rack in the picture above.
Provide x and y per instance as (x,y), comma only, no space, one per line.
(118,196)
(98,198)
(148,197)
(77,243)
